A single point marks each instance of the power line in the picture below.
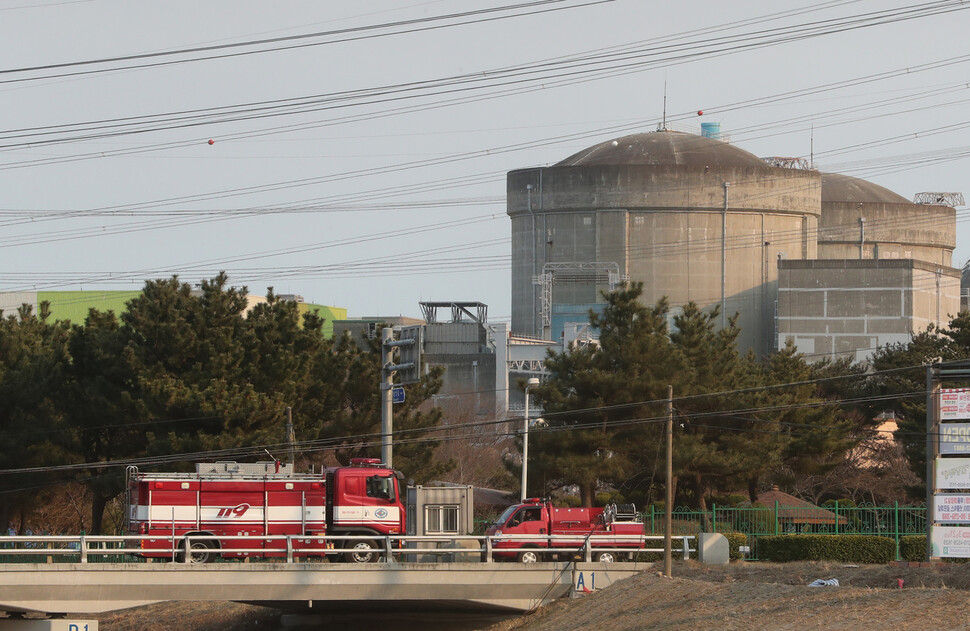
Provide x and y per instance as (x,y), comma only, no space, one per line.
(414,23)
(563,70)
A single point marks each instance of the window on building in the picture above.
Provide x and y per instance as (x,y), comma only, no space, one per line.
(441,520)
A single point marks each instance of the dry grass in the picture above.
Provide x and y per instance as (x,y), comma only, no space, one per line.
(191,616)
(766,596)
(741,596)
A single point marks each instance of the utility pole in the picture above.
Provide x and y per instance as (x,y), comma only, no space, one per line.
(669,499)
(531,383)
(387,394)
(409,370)
(724,215)
(291,436)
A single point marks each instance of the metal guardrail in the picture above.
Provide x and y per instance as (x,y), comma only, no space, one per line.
(292,548)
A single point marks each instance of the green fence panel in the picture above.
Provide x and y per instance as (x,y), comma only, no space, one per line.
(888,521)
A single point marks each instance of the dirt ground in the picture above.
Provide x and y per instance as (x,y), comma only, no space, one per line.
(767,596)
(739,596)
(190,616)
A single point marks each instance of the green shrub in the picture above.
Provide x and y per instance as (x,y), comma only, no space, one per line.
(569,501)
(728,501)
(603,498)
(735,541)
(845,548)
(912,548)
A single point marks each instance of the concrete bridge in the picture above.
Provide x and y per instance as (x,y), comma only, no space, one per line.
(70,576)
(95,588)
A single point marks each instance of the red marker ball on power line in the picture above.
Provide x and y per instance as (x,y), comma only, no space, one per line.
(212,142)
(700,112)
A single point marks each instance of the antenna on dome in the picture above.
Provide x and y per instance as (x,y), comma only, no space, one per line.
(811,147)
(663,125)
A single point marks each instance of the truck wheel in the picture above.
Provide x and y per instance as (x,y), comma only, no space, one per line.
(362,552)
(605,557)
(199,552)
(529,556)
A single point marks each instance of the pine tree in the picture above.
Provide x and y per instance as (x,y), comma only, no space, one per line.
(33,357)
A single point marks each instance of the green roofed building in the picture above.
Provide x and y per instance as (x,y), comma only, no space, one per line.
(74,305)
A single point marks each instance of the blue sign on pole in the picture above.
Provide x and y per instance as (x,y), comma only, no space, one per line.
(397,395)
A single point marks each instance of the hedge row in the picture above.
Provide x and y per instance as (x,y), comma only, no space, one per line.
(912,548)
(845,548)
(735,541)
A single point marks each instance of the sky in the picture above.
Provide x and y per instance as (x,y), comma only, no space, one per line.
(355,153)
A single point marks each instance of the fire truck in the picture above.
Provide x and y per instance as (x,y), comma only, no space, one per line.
(258,500)
(614,529)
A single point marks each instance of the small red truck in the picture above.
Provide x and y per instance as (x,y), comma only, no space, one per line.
(606,529)
(260,500)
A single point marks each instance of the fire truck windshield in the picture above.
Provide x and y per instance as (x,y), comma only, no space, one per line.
(380,487)
(504,517)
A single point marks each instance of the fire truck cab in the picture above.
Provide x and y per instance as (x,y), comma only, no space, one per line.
(259,500)
(613,532)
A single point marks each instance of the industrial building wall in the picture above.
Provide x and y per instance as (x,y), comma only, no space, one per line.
(329,315)
(664,226)
(10,301)
(680,258)
(525,265)
(839,308)
(469,381)
(74,305)
(922,232)
(450,338)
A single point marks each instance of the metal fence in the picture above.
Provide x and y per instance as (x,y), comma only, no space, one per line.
(887,521)
(295,548)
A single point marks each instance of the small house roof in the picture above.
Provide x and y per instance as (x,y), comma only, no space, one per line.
(795,510)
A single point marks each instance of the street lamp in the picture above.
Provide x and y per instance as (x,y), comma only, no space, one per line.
(531,383)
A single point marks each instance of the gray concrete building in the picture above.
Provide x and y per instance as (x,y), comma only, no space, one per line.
(693,218)
(465,346)
(837,264)
(369,327)
(849,307)
(862,220)
(884,271)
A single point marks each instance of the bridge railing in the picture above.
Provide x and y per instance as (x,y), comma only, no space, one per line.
(292,548)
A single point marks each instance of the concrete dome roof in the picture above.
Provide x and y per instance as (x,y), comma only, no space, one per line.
(845,188)
(664,148)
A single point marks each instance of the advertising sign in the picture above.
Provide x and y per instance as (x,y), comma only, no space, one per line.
(951,508)
(955,438)
(953,473)
(948,541)
(954,404)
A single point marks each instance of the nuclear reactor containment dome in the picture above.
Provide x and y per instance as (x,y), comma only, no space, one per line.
(862,220)
(692,218)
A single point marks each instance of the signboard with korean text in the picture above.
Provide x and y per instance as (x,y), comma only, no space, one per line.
(949,541)
(953,473)
(951,508)
(954,404)
(955,438)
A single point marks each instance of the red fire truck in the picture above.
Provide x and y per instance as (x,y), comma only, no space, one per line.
(242,500)
(610,528)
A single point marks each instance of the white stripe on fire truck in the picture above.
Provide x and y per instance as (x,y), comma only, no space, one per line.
(162,513)
(372,514)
